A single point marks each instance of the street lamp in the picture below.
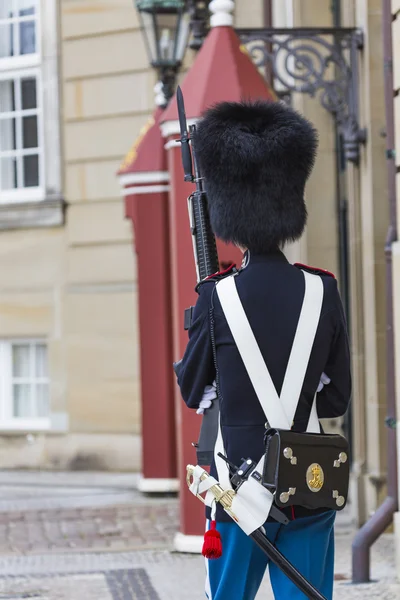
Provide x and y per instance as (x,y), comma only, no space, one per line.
(199,18)
(165,24)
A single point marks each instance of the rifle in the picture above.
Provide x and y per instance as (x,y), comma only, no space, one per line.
(206,261)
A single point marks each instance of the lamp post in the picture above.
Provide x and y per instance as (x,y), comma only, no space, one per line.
(165,25)
(199,17)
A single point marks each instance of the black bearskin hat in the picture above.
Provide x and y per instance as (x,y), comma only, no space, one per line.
(255,158)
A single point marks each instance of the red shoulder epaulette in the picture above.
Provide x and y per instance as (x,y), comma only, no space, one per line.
(314,270)
(221,274)
(217,276)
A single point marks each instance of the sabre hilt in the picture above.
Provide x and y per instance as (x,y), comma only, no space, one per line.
(224,497)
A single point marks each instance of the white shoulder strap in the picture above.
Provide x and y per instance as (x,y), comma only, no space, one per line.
(303,343)
(313,422)
(279,411)
(251,355)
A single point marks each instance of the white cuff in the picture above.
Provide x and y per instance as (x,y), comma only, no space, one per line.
(210,393)
(323,381)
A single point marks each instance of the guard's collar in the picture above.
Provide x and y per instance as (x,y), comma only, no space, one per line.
(276,256)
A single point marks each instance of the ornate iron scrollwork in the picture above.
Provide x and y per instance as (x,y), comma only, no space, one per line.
(319,62)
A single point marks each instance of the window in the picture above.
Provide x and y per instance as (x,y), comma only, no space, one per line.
(21,145)
(24,385)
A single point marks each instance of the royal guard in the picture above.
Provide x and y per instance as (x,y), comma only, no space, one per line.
(268,343)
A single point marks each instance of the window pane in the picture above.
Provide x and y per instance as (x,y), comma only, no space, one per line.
(41,360)
(21,360)
(166,26)
(31,171)
(27,29)
(7,134)
(7,96)
(8,173)
(28,93)
(29,132)
(42,400)
(6,7)
(22,400)
(182,39)
(23,27)
(27,37)
(6,40)
(27,7)
(148,26)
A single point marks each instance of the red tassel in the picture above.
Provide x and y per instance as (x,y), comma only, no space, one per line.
(212,547)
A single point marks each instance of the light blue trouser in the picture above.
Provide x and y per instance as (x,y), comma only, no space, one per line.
(308,543)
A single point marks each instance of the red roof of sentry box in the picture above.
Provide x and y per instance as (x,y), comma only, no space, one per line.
(147,153)
(222,71)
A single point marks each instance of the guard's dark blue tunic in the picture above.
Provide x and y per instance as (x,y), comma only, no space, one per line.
(272,292)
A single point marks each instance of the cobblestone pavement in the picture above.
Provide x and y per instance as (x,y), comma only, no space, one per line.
(161,575)
(110,528)
(94,537)
(81,511)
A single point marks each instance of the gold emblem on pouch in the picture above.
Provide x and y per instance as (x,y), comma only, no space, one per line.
(315,477)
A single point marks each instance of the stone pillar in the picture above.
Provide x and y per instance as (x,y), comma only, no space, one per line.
(396,307)
(282,16)
(396,253)
(370,235)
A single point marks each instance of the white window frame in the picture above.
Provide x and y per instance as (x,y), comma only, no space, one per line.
(7,421)
(44,66)
(28,193)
